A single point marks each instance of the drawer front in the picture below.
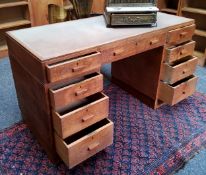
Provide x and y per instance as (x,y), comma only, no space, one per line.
(133,19)
(180,35)
(80,118)
(74,67)
(172,74)
(121,51)
(85,147)
(172,94)
(71,93)
(151,42)
(134,46)
(176,53)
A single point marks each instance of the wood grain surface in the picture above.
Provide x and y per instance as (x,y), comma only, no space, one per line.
(74,36)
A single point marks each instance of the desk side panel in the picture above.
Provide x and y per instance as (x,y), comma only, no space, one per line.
(26,59)
(32,98)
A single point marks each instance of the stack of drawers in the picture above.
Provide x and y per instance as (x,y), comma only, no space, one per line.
(79,108)
(177,79)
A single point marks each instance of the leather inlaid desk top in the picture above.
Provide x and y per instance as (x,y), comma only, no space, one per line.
(51,41)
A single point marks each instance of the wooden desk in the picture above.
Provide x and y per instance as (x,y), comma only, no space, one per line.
(56,73)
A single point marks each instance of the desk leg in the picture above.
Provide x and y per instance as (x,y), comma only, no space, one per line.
(140,75)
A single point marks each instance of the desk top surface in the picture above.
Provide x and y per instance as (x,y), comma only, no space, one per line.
(52,41)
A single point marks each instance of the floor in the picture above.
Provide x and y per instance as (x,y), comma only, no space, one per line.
(9,110)
(10,113)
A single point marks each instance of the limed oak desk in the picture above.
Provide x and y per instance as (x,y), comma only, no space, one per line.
(56,69)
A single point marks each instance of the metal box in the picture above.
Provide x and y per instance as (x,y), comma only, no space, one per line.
(131,13)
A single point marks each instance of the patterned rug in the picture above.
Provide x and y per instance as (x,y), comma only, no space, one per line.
(145,141)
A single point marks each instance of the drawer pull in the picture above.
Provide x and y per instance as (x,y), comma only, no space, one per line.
(88,117)
(93,146)
(78,68)
(183,51)
(183,34)
(118,52)
(183,92)
(155,41)
(80,92)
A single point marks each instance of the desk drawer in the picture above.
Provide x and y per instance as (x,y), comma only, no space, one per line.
(172,94)
(78,147)
(74,67)
(131,47)
(176,53)
(119,51)
(151,42)
(180,70)
(180,35)
(81,115)
(69,93)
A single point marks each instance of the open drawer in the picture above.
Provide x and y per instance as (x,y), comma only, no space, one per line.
(179,70)
(81,115)
(84,144)
(65,94)
(74,67)
(180,51)
(172,94)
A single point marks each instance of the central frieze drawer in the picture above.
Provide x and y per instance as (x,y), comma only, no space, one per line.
(177,52)
(74,67)
(180,70)
(81,115)
(86,143)
(133,46)
(68,94)
(172,94)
